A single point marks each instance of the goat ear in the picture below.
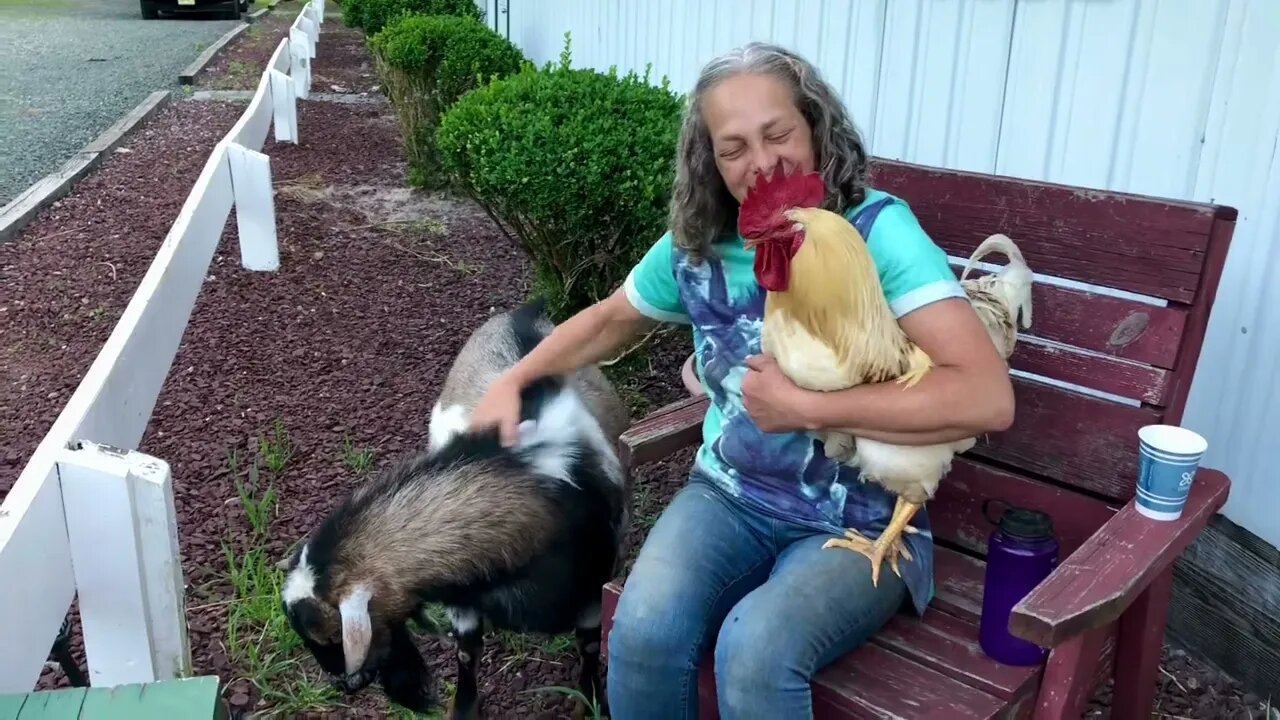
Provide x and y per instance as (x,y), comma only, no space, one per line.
(357,629)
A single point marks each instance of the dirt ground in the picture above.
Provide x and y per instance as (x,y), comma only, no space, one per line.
(324,370)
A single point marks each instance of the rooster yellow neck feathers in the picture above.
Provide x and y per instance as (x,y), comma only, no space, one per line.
(840,278)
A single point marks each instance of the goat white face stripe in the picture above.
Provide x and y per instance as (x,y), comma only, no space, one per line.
(357,630)
(446,423)
(301,582)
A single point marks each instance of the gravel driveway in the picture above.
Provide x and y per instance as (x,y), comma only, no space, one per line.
(71,68)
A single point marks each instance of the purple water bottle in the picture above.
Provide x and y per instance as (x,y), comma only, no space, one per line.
(1021,552)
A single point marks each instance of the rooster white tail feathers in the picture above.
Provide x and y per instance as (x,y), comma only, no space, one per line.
(1013,281)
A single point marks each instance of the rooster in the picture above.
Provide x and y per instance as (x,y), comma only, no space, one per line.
(829,326)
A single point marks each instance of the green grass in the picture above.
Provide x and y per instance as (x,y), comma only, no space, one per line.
(358,459)
(277,450)
(522,647)
(593,707)
(259,639)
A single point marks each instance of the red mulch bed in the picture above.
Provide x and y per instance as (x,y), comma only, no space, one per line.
(378,288)
(342,64)
(238,66)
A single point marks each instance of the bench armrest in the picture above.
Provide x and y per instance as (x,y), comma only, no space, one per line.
(664,431)
(1098,582)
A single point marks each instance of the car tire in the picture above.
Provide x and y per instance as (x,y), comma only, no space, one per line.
(234,12)
(149,11)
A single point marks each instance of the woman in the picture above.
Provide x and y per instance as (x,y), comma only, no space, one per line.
(737,558)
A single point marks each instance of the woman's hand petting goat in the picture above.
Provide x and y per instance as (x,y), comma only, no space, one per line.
(588,337)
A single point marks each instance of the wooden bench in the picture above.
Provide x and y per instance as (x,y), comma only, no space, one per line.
(1071,452)
(193,698)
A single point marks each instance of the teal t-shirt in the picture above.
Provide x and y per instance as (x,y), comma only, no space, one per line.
(788,475)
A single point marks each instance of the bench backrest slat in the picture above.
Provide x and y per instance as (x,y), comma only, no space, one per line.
(1120,304)
(1150,246)
(1113,326)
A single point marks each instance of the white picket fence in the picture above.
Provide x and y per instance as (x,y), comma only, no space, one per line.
(90,517)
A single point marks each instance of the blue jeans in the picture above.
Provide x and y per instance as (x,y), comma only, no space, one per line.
(776,604)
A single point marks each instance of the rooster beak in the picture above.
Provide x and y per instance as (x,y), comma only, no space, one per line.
(750,242)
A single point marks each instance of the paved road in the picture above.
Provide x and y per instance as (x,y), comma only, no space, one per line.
(71,68)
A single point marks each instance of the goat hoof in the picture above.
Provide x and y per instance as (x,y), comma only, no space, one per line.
(353,683)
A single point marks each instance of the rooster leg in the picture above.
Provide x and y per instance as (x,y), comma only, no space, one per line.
(890,541)
(875,551)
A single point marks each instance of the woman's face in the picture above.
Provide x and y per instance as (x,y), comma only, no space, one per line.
(754,123)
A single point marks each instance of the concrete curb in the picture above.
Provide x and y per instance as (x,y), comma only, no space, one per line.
(257,14)
(41,194)
(188,76)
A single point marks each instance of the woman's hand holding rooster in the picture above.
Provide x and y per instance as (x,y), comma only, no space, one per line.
(774,402)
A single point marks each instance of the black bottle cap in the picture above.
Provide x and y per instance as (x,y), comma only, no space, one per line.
(1021,523)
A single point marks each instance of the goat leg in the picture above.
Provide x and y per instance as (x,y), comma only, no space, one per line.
(465,704)
(589,676)
(406,679)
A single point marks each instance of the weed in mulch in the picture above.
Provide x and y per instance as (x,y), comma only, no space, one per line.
(259,639)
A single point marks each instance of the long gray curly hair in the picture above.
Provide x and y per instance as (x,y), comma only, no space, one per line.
(702,209)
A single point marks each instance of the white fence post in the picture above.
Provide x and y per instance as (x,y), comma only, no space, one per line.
(299,62)
(123,533)
(308,27)
(255,208)
(284,107)
(37,582)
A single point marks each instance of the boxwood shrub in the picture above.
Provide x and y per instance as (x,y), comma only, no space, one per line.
(576,164)
(376,14)
(353,13)
(425,63)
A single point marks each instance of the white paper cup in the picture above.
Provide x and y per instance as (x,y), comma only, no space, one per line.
(1168,457)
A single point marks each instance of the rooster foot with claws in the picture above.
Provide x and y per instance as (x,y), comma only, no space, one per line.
(876,551)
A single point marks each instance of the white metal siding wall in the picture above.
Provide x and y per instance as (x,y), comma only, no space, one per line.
(1174,99)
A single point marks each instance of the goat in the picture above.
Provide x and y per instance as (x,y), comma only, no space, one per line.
(519,538)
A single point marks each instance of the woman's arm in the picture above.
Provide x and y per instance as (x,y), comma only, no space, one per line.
(589,336)
(966,393)
(594,334)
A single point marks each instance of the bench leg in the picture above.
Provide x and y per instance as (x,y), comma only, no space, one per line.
(1138,649)
(1071,675)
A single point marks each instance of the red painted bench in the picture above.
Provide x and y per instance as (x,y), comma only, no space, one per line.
(1072,452)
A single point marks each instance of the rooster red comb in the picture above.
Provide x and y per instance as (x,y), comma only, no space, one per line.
(765,202)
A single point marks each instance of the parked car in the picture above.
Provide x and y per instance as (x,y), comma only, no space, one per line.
(232,9)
